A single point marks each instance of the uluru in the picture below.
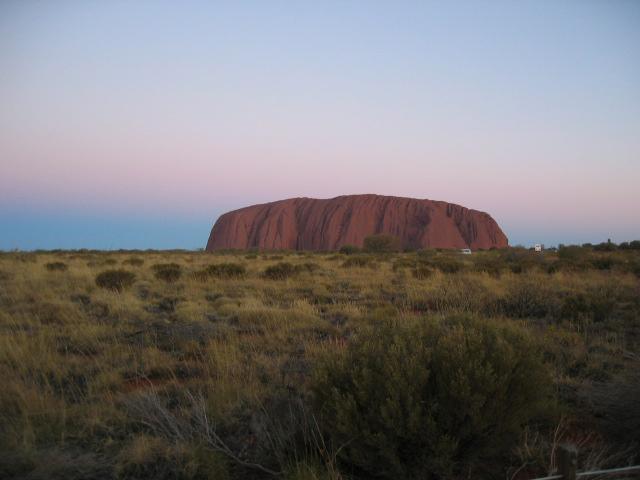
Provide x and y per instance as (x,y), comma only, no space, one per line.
(328,224)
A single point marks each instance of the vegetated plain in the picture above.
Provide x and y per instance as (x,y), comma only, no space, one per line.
(296,365)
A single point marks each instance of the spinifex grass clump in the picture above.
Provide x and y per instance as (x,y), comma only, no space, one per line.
(134,262)
(167,272)
(56,266)
(446,264)
(360,261)
(421,271)
(116,280)
(226,270)
(280,271)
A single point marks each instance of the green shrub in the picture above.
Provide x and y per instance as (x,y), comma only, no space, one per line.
(635,268)
(519,260)
(226,270)
(460,293)
(381,243)
(56,267)
(446,264)
(598,303)
(403,262)
(116,280)
(421,272)
(492,265)
(308,267)
(529,299)
(432,400)
(134,262)
(349,249)
(280,271)
(602,262)
(572,252)
(358,261)
(426,253)
(605,247)
(167,272)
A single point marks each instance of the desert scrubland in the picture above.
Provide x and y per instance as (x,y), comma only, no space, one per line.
(351,364)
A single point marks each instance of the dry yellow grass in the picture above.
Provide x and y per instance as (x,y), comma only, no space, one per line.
(74,356)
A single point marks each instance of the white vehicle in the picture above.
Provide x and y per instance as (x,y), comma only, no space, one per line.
(465,251)
(538,247)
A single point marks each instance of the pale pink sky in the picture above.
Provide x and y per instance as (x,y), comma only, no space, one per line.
(154,110)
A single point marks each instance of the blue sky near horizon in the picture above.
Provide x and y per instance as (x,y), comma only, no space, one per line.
(135,124)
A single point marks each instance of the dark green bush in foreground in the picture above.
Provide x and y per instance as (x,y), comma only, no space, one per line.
(432,400)
(117,280)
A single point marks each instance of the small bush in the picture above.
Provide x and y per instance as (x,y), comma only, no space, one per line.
(349,249)
(134,262)
(167,272)
(432,400)
(56,267)
(116,280)
(605,247)
(603,262)
(635,268)
(519,260)
(309,267)
(593,305)
(280,271)
(489,264)
(402,263)
(426,253)
(446,264)
(421,272)
(358,261)
(529,299)
(226,270)
(381,243)
(572,252)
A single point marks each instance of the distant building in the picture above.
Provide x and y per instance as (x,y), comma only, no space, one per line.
(538,247)
(465,251)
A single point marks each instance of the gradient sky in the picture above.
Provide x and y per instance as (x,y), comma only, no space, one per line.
(135,124)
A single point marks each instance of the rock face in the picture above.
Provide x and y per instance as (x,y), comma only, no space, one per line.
(328,224)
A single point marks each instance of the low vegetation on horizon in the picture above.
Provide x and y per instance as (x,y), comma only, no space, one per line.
(336,365)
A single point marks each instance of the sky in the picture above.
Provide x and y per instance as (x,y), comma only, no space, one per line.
(136,124)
